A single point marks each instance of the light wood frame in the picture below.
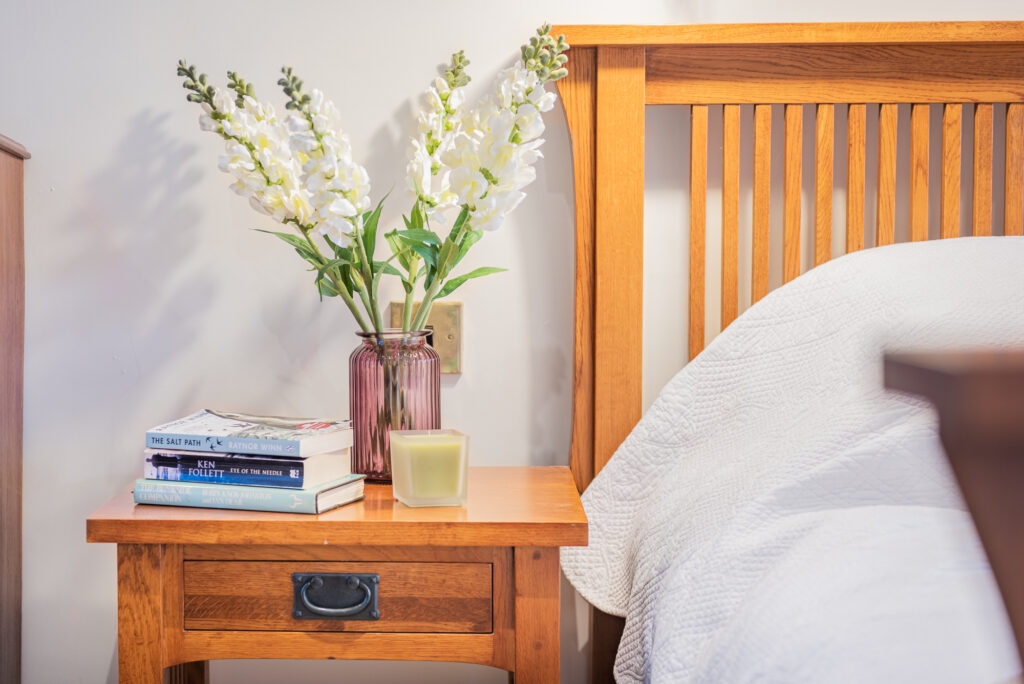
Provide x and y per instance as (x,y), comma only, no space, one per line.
(615,71)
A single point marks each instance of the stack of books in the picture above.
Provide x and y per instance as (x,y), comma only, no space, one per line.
(214,459)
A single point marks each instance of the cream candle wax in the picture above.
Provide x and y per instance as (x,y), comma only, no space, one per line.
(429,467)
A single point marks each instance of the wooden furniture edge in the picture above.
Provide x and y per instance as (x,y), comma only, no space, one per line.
(12,348)
(13,147)
(903,33)
(251,532)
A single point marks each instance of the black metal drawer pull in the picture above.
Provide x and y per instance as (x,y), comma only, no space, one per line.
(364,609)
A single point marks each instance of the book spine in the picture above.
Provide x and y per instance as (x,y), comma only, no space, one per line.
(224,496)
(232,445)
(253,477)
(225,470)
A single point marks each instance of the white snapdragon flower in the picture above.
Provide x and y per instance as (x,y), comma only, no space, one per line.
(468,184)
(489,213)
(257,155)
(428,174)
(338,188)
(491,155)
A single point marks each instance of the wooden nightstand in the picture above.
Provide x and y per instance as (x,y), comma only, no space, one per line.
(478,584)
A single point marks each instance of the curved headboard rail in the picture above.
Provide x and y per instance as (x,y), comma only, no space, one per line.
(862,70)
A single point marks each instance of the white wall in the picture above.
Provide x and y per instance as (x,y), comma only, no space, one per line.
(147,295)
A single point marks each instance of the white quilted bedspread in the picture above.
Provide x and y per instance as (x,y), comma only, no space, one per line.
(776,516)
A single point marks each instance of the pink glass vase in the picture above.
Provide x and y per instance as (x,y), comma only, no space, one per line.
(394,384)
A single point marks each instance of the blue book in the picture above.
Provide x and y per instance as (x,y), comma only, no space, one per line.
(247,469)
(240,433)
(240,497)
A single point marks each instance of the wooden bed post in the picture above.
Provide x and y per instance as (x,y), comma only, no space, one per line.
(603,98)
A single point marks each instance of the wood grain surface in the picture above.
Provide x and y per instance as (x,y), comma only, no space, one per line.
(458,648)
(812,74)
(698,223)
(505,507)
(853,33)
(919,143)
(949,206)
(856,142)
(885,206)
(1013,180)
(618,319)
(12,354)
(792,188)
(730,212)
(762,201)
(824,162)
(537,611)
(139,614)
(578,91)
(412,597)
(981,198)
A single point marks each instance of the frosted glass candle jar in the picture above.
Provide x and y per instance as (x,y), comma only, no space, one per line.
(428,467)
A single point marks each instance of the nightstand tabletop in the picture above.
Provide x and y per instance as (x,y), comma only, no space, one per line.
(507,506)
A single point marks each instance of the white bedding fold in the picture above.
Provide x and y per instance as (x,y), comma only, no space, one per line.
(774,466)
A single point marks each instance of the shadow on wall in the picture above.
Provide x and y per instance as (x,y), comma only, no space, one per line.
(116,275)
(109,316)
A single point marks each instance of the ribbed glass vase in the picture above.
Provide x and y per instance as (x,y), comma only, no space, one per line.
(394,384)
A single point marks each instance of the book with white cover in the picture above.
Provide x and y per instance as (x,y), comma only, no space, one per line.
(240,433)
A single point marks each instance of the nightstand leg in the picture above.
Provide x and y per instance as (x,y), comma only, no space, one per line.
(139,605)
(537,615)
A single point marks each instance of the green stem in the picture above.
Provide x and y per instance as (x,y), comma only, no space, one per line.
(426,304)
(367,273)
(435,287)
(339,286)
(409,296)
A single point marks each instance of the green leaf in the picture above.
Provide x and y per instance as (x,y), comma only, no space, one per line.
(292,239)
(446,258)
(418,218)
(428,253)
(300,245)
(471,238)
(455,282)
(339,251)
(350,278)
(421,235)
(403,255)
(325,287)
(321,272)
(370,220)
(384,267)
(460,220)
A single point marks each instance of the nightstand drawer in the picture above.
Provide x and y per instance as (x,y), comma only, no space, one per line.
(411,597)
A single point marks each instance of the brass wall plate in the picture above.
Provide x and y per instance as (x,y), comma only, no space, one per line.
(445,320)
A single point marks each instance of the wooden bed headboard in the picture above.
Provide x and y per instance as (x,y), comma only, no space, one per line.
(973,71)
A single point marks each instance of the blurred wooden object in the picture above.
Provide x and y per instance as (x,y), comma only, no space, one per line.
(980,399)
(12,354)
